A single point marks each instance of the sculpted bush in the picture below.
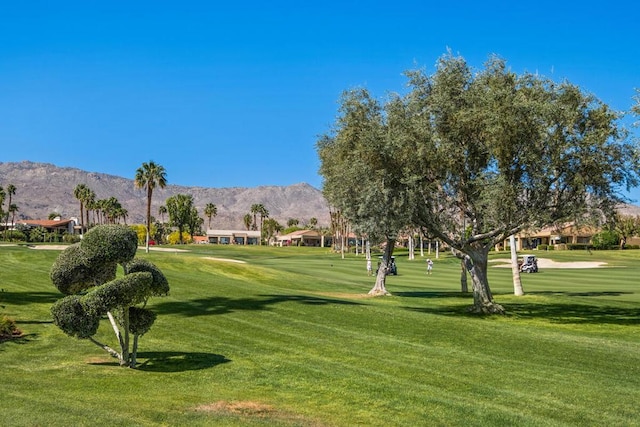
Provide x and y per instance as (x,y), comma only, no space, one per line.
(86,273)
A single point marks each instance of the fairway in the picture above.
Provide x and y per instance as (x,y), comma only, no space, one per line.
(256,336)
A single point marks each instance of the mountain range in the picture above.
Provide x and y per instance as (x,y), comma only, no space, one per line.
(43,188)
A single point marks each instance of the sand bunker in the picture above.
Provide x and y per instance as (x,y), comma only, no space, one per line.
(548,263)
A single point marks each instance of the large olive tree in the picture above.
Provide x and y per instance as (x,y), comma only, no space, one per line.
(489,153)
(86,273)
(481,155)
(362,173)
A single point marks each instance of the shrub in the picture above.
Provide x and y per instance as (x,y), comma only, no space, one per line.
(174,238)
(8,328)
(16,236)
(70,238)
(606,239)
(543,247)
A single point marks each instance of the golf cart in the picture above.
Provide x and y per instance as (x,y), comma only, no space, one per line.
(529,264)
(391,268)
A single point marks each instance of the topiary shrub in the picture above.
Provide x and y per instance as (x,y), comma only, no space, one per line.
(86,273)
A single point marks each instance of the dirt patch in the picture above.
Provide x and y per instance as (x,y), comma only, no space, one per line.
(225,260)
(549,263)
(344,295)
(250,409)
(238,408)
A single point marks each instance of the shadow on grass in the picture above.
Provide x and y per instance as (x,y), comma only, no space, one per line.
(582,294)
(555,313)
(24,298)
(173,361)
(222,305)
(19,339)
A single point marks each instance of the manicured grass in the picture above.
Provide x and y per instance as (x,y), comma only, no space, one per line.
(290,338)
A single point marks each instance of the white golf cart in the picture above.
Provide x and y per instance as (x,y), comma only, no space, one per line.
(529,264)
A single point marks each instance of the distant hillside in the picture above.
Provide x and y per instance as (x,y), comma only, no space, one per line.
(43,188)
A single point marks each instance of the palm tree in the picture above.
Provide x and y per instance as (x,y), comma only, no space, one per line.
(259,209)
(10,191)
(2,196)
(162,210)
(255,208)
(210,210)
(80,193)
(150,176)
(13,209)
(89,203)
(247,221)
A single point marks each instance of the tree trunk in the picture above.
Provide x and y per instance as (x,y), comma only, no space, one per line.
(379,288)
(134,352)
(149,195)
(412,254)
(464,287)
(515,268)
(476,263)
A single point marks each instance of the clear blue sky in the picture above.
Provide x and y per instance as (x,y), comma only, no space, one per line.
(226,95)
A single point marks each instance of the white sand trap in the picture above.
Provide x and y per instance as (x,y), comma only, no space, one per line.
(549,263)
(49,247)
(225,260)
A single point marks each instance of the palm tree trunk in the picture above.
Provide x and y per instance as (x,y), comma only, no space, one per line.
(149,193)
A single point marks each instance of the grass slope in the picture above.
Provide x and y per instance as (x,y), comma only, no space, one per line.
(290,338)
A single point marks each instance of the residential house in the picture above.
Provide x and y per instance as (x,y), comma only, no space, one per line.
(233,237)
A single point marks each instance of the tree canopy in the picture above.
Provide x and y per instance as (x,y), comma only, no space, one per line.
(478,155)
(181,212)
(362,173)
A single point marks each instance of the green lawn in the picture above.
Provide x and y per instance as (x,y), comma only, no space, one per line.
(290,338)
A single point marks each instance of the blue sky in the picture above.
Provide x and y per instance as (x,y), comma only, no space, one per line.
(226,95)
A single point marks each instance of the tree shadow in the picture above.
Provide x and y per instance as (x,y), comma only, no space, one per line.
(582,294)
(576,313)
(19,339)
(173,361)
(25,298)
(223,305)
(554,313)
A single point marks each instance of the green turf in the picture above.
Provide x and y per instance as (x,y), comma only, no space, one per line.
(290,338)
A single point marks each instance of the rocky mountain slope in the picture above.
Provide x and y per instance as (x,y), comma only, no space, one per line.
(43,188)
